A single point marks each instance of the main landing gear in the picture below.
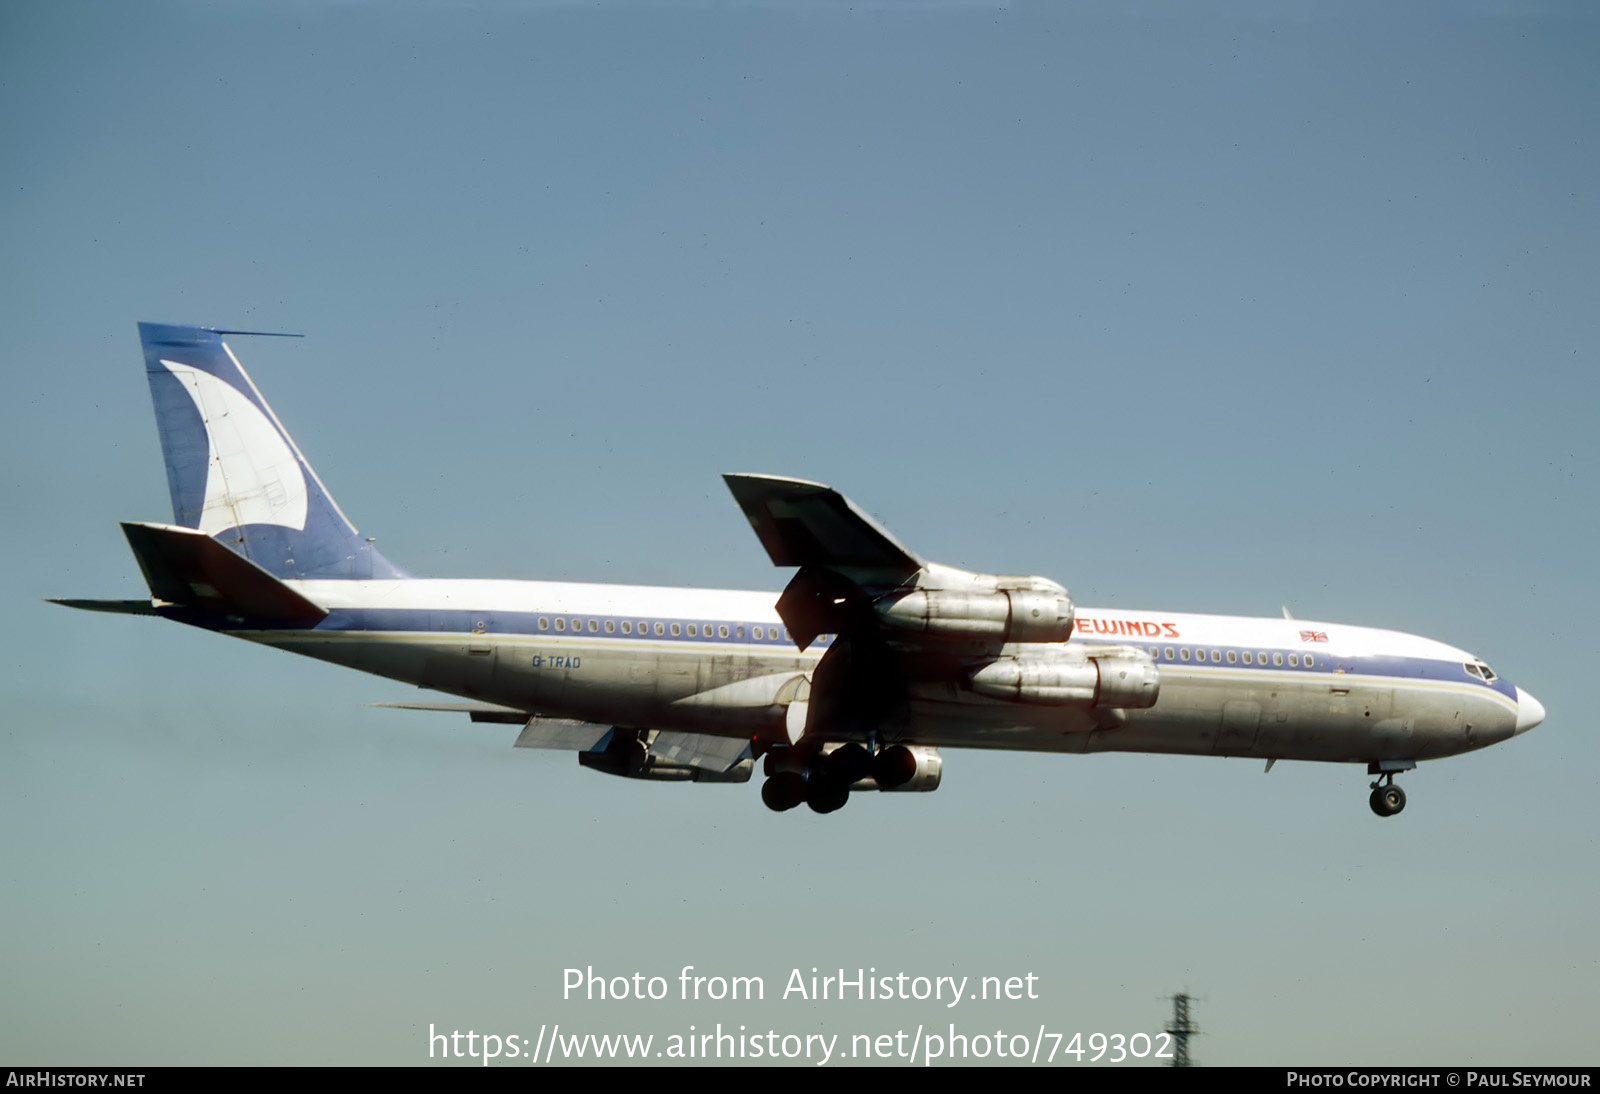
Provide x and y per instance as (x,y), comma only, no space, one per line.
(805,773)
(1387,799)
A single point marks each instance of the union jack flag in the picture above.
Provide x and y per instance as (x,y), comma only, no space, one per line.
(1313,636)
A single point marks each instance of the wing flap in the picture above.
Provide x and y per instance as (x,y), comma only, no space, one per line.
(717,755)
(700,750)
(563,735)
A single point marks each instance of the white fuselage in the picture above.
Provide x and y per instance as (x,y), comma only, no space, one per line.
(721,662)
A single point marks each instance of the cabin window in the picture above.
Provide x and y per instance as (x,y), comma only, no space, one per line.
(544,623)
(611,626)
(676,630)
(1308,660)
(1233,658)
(660,629)
(694,632)
(1169,653)
(594,626)
(1184,653)
(1294,661)
(627,627)
(561,624)
(1277,659)
(738,632)
(722,631)
(1247,657)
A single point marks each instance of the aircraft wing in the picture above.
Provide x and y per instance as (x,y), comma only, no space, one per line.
(563,735)
(700,750)
(914,639)
(856,577)
(840,550)
(804,523)
(480,712)
(643,753)
(667,753)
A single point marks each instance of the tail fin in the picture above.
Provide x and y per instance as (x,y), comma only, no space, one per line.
(234,471)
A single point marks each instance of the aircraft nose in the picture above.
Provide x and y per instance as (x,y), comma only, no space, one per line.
(1530,712)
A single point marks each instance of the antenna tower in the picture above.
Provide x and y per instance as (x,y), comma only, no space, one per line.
(1181,1029)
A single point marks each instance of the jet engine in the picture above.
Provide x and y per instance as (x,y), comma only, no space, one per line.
(1041,613)
(1098,676)
(907,768)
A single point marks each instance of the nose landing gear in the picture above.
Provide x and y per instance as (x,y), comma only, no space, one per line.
(1387,799)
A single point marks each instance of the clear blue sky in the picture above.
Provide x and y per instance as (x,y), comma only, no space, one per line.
(1204,308)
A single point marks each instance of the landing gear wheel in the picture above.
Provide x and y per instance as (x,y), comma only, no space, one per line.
(894,766)
(825,795)
(848,763)
(782,791)
(1388,800)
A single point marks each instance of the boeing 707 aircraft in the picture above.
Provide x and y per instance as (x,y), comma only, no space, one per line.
(870,661)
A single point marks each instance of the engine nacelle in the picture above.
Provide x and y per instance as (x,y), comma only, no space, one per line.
(1002,615)
(1104,677)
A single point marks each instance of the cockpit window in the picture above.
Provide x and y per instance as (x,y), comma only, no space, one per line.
(1473,670)
(1488,673)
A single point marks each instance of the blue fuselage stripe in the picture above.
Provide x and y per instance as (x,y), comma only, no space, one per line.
(770,636)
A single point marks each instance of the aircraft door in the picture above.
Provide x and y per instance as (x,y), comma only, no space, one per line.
(1241,721)
(462,665)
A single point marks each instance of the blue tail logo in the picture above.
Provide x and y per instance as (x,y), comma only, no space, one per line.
(234,471)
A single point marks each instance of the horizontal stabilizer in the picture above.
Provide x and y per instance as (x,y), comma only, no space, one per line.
(185,566)
(120,607)
(807,524)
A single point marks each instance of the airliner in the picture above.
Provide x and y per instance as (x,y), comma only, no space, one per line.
(851,680)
